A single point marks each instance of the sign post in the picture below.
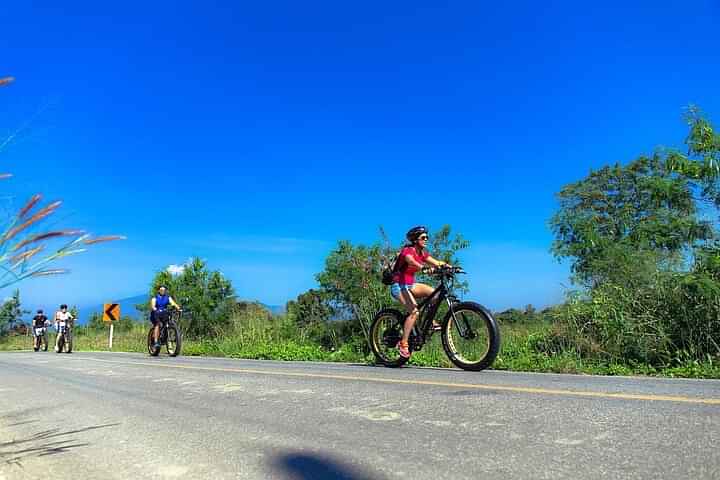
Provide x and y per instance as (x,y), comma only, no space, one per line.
(111,314)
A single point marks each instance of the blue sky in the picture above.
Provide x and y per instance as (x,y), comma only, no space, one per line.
(257,136)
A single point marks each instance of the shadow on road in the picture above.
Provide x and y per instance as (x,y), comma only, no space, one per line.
(311,466)
(53,441)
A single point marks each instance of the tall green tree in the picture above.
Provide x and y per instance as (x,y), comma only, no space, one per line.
(701,166)
(11,313)
(637,236)
(701,163)
(208,296)
(622,221)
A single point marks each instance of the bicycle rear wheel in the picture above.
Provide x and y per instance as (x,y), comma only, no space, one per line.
(470,336)
(385,333)
(174,340)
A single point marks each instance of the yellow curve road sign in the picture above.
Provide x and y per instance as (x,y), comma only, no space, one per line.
(111,312)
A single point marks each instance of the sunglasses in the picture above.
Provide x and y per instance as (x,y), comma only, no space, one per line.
(423,237)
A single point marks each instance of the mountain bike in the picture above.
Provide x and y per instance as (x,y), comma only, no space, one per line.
(64,338)
(470,335)
(40,339)
(170,335)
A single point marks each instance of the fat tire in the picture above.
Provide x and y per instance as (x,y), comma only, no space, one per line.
(493,335)
(178,341)
(61,344)
(392,363)
(154,352)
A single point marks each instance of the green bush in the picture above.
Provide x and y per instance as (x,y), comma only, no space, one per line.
(673,319)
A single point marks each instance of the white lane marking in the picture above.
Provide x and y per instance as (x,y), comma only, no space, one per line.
(228,388)
(172,471)
(439,423)
(375,415)
(568,442)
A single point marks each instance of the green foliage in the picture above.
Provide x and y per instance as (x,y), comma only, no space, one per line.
(11,312)
(522,350)
(125,323)
(95,322)
(630,232)
(527,316)
(638,216)
(707,260)
(701,165)
(652,325)
(208,296)
(351,282)
(309,310)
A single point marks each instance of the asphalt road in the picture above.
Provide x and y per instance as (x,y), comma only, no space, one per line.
(123,416)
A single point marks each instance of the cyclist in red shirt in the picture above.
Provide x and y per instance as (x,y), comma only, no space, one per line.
(413,257)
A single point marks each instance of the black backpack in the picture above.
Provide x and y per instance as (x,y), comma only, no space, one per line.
(389,272)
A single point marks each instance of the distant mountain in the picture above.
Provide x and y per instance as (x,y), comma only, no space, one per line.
(127,307)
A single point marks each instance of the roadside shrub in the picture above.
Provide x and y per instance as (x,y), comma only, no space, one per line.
(674,319)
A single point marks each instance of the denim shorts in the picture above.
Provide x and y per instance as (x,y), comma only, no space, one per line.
(396,288)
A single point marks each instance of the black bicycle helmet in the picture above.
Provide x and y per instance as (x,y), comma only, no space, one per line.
(40,311)
(414,233)
(63,306)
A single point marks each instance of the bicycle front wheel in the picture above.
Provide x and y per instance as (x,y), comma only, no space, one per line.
(174,340)
(151,344)
(385,333)
(470,336)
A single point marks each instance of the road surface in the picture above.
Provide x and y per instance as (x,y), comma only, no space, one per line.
(123,416)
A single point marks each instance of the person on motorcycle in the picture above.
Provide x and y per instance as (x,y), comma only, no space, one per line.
(63,318)
(39,326)
(413,257)
(158,310)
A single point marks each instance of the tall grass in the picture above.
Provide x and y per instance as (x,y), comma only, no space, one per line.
(26,249)
(525,348)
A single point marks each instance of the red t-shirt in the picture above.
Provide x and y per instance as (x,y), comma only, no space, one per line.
(406,272)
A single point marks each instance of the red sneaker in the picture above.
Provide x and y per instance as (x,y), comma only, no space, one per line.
(404,349)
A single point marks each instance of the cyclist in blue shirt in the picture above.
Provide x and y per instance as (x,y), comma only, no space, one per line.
(158,311)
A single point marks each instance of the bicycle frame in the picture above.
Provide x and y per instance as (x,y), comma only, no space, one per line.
(168,318)
(428,307)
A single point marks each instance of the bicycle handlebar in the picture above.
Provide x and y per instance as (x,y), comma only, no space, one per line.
(444,270)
